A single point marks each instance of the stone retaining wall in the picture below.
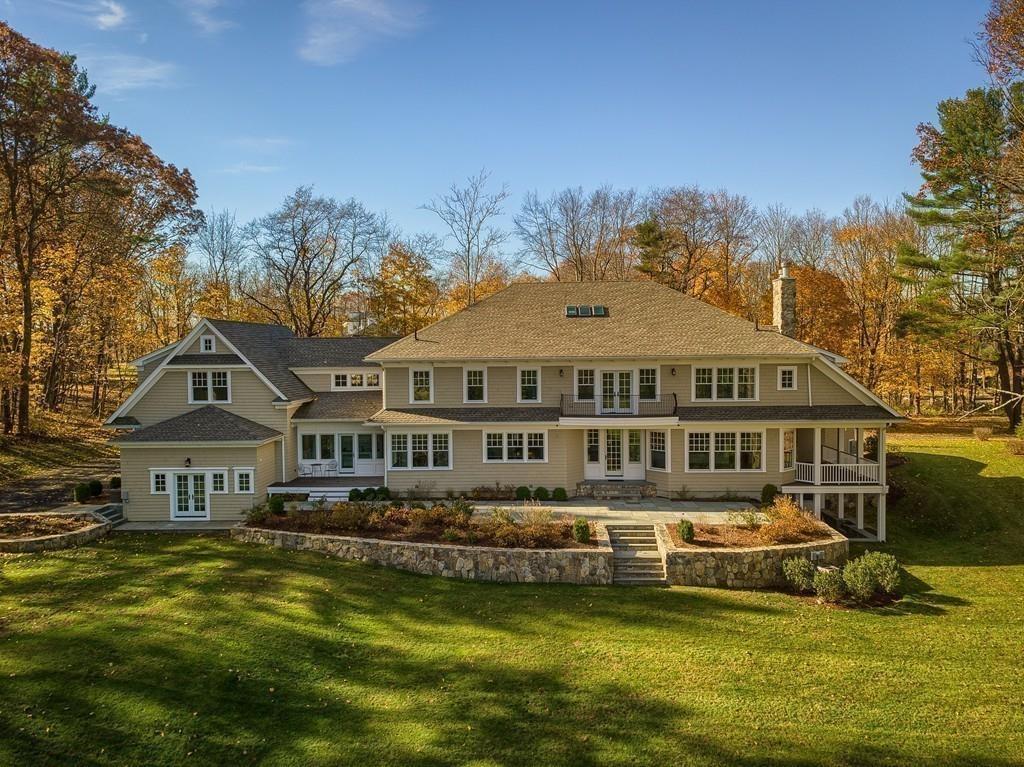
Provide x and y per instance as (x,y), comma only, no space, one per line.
(747,568)
(60,540)
(592,566)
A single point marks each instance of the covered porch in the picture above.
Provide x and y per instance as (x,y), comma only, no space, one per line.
(328,489)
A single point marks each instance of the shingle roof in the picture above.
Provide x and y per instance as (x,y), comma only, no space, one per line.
(206,359)
(784,413)
(452,415)
(261,345)
(340,405)
(124,421)
(206,424)
(333,352)
(647,320)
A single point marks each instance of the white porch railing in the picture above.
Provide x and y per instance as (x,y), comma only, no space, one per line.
(864,473)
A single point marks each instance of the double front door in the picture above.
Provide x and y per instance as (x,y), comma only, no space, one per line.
(614,454)
(616,391)
(190,497)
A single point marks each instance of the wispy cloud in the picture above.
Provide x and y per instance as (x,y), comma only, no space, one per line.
(261,144)
(248,167)
(203,14)
(337,30)
(115,74)
(104,14)
(111,14)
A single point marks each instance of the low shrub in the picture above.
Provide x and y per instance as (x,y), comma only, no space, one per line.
(450,534)
(581,530)
(860,581)
(748,519)
(537,515)
(462,509)
(799,573)
(541,494)
(355,494)
(523,493)
(983,433)
(768,493)
(872,573)
(82,493)
(829,585)
(115,483)
(685,529)
(275,505)
(559,494)
(95,487)
(257,515)
(788,523)
(383,494)
(349,516)
(503,515)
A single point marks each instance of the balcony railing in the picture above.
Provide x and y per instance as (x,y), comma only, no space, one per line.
(839,473)
(618,406)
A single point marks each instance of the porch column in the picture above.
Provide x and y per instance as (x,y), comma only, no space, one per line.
(881,517)
(817,461)
(817,505)
(860,444)
(860,511)
(842,506)
(881,455)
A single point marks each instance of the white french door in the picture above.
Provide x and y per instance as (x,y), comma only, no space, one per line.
(190,499)
(613,453)
(616,391)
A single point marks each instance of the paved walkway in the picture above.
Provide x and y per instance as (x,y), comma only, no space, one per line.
(177,526)
(57,487)
(648,510)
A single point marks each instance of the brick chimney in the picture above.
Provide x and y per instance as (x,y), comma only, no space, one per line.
(784,302)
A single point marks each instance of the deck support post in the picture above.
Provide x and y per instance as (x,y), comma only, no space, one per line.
(860,511)
(817,461)
(842,506)
(881,517)
(817,505)
(881,455)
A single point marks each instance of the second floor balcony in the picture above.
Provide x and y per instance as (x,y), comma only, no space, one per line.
(618,405)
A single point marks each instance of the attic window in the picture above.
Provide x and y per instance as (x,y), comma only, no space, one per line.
(207,344)
(586,310)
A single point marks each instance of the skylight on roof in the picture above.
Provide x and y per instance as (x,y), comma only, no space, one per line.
(585,310)
(570,310)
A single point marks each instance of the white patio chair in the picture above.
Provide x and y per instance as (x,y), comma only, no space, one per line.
(331,469)
(305,470)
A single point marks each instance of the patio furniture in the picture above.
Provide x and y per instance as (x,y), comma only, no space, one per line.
(305,470)
(331,469)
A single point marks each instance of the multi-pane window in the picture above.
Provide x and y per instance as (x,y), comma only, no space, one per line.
(355,380)
(746,379)
(585,385)
(474,386)
(440,452)
(657,445)
(702,378)
(327,446)
(365,446)
(515,446)
(787,378)
(207,344)
(341,380)
(725,451)
(218,482)
(243,481)
(421,389)
(159,482)
(372,380)
(788,449)
(648,383)
(212,386)
(724,380)
(529,385)
(421,451)
(635,446)
(593,446)
(399,451)
(308,447)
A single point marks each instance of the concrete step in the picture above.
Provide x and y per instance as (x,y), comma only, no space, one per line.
(640,582)
(628,527)
(635,546)
(637,571)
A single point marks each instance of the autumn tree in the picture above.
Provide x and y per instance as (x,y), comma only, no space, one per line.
(403,295)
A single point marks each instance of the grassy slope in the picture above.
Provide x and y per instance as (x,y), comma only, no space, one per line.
(60,440)
(168,650)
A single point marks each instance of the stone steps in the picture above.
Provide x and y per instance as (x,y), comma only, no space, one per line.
(637,558)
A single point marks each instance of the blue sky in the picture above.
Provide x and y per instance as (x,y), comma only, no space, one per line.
(390,101)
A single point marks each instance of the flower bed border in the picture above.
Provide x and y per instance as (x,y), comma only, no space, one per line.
(589,566)
(753,567)
(58,540)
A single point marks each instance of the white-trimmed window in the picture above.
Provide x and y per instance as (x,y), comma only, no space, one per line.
(787,378)
(725,451)
(421,385)
(529,385)
(207,344)
(585,384)
(209,386)
(218,482)
(725,383)
(475,384)
(593,446)
(421,450)
(243,481)
(343,380)
(649,383)
(158,482)
(515,447)
(634,443)
(787,449)
(657,450)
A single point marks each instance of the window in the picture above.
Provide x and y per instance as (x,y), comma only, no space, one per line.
(218,482)
(476,386)
(788,450)
(658,456)
(243,481)
(593,446)
(380,446)
(746,383)
(341,380)
(702,378)
(529,385)
(634,446)
(421,386)
(207,344)
(373,380)
(365,446)
(308,447)
(421,451)
(326,446)
(750,450)
(212,386)
(514,446)
(787,378)
(725,451)
(354,379)
(648,383)
(585,385)
(699,453)
(158,482)
(725,383)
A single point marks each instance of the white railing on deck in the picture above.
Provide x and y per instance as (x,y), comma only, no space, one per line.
(839,473)
(804,472)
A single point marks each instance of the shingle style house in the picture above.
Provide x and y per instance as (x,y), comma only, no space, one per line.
(604,389)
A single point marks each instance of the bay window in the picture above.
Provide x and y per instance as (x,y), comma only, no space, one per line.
(698,451)
(515,447)
(421,450)
(725,451)
(658,458)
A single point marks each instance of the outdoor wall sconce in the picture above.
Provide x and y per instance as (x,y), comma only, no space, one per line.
(561,373)
(673,371)
(188,462)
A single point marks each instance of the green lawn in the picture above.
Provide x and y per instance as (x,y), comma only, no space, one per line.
(59,440)
(191,650)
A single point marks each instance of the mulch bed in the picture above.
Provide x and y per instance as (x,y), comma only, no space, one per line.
(731,537)
(37,525)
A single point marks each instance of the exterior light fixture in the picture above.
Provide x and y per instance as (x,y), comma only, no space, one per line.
(673,371)
(561,373)
(188,462)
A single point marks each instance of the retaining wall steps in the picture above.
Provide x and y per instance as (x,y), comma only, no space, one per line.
(637,558)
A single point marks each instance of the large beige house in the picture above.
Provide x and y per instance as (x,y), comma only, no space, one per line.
(606,389)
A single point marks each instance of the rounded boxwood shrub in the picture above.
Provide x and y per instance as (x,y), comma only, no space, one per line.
(768,493)
(275,505)
(383,494)
(685,529)
(95,486)
(523,493)
(559,494)
(82,493)
(115,483)
(799,573)
(355,494)
(829,585)
(859,578)
(541,494)
(581,530)
(886,569)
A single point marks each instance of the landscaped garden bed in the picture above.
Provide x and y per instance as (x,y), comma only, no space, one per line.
(780,522)
(26,533)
